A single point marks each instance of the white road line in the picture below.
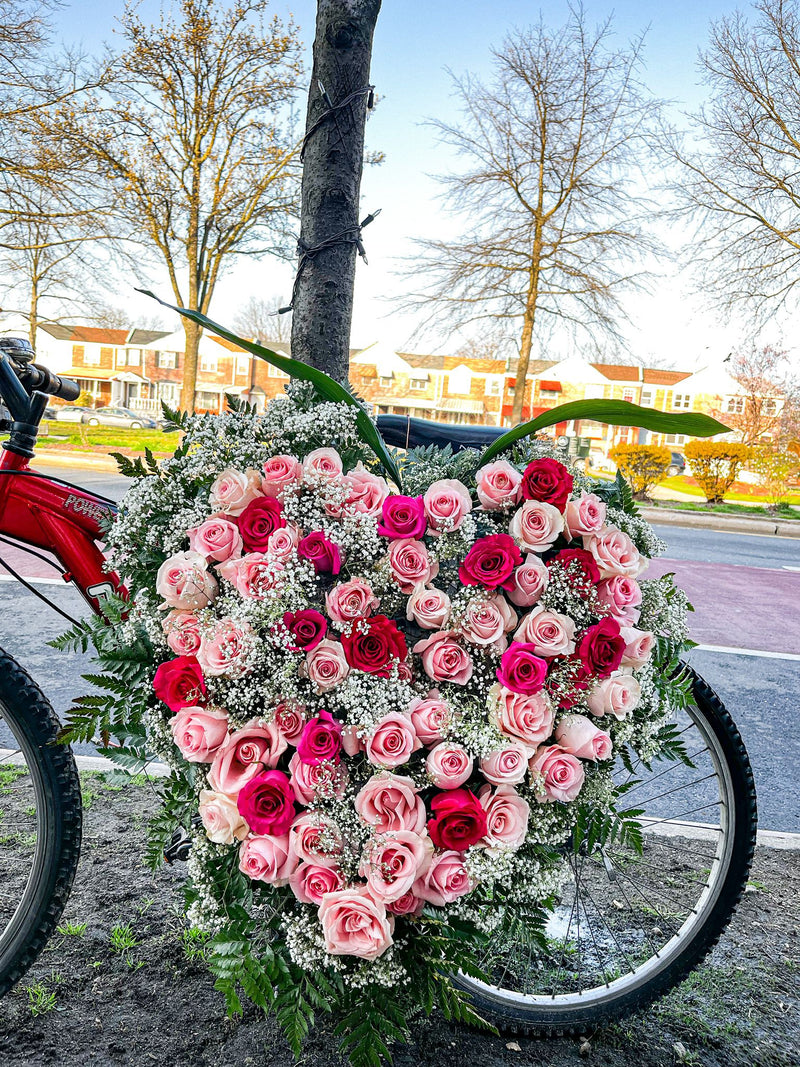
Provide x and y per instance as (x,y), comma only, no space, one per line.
(746,652)
(785,568)
(34,581)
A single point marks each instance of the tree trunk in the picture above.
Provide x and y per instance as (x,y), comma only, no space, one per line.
(526,343)
(323,299)
(193,334)
(33,320)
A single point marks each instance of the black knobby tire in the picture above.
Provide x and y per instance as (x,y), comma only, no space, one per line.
(516,1016)
(56,787)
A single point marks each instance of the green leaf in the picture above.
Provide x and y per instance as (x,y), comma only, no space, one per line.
(614,413)
(325,385)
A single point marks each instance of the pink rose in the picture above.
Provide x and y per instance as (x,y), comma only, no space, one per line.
(507,765)
(428,608)
(254,576)
(321,739)
(279,473)
(615,553)
(498,485)
(430,716)
(266,803)
(313,780)
(267,858)
(392,864)
(290,720)
(507,816)
(536,525)
(444,659)
(392,741)
(226,649)
(184,581)
(323,464)
(244,755)
(486,622)
(638,646)
(550,633)
(233,490)
(617,696)
(555,774)
(326,666)
(447,503)
(283,542)
(355,924)
(352,744)
(351,600)
(408,904)
(217,538)
(445,880)
(448,765)
(526,718)
(366,492)
(623,595)
(410,564)
(529,582)
(579,735)
(521,669)
(199,733)
(584,516)
(183,632)
(403,516)
(221,819)
(310,882)
(390,802)
(316,839)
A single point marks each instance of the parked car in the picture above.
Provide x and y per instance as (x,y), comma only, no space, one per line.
(72,413)
(133,420)
(677,466)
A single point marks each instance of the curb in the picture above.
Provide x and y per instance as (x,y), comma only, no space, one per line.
(87,460)
(722,523)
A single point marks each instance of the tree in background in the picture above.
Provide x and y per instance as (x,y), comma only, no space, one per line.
(258,319)
(715,465)
(774,466)
(765,376)
(551,221)
(643,465)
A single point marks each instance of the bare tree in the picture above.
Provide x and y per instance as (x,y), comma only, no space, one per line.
(258,319)
(739,170)
(551,217)
(191,130)
(764,374)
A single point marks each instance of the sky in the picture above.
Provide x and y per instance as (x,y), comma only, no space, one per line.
(416,41)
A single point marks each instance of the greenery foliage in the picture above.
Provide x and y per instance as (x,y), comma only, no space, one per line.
(715,465)
(644,465)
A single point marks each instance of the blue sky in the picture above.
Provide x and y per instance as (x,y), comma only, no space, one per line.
(415,42)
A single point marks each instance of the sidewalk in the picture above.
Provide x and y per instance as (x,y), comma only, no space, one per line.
(722,523)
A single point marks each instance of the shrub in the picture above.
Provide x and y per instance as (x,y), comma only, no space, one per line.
(774,466)
(643,465)
(85,399)
(715,465)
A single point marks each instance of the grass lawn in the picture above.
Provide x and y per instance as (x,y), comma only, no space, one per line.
(783,511)
(71,437)
(748,494)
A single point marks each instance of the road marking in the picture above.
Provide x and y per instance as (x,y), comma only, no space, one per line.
(746,652)
(34,581)
(785,568)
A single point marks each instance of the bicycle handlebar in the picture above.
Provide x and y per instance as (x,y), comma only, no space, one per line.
(41,380)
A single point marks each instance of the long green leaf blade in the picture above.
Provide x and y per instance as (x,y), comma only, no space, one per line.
(614,413)
(325,385)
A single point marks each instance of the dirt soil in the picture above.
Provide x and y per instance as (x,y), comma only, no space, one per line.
(89,999)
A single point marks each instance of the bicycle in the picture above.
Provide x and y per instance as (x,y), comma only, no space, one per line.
(627,926)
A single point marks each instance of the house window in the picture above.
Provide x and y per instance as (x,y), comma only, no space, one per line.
(510,390)
(769,407)
(629,395)
(207,401)
(674,439)
(91,357)
(242,364)
(89,385)
(167,360)
(460,381)
(549,394)
(208,364)
(493,386)
(646,399)
(735,405)
(275,372)
(134,357)
(681,401)
(417,383)
(169,392)
(386,380)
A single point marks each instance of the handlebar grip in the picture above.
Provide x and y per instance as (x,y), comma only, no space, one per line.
(44,381)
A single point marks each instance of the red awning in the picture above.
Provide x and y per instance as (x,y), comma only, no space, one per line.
(551,387)
(526,412)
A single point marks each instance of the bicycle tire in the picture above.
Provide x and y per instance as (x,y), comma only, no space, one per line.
(34,726)
(513,1013)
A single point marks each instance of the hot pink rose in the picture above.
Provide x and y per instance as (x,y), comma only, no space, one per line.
(220,817)
(623,595)
(526,718)
(550,632)
(326,666)
(410,564)
(306,628)
(555,774)
(255,575)
(310,882)
(324,554)
(428,608)
(392,864)
(498,485)
(321,739)
(313,780)
(351,600)
(448,765)
(638,646)
(491,562)
(486,622)
(199,733)
(217,538)
(617,696)
(184,581)
(529,582)
(507,816)
(244,755)
(536,525)
(259,521)
(521,669)
(355,924)
(322,464)
(366,491)
(392,741)
(290,720)
(183,632)
(445,880)
(403,516)
(179,683)
(615,553)
(266,803)
(316,839)
(447,503)
(507,765)
(233,490)
(579,735)
(279,473)
(430,716)
(226,649)
(444,659)
(267,858)
(584,516)
(390,802)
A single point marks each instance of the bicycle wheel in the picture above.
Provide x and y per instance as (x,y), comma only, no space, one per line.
(40,822)
(629,926)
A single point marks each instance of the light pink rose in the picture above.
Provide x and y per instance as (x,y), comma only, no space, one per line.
(217,538)
(584,516)
(526,718)
(487,621)
(448,765)
(244,755)
(392,741)
(623,595)
(282,543)
(355,924)
(445,880)
(638,646)
(313,780)
(579,735)
(507,816)
(530,581)
(410,564)
(290,720)
(507,765)
(199,733)
(255,575)
(316,839)
(366,492)
(552,633)
(226,649)
(183,632)
(352,744)
(310,882)
(617,695)
(615,553)
(279,473)
(555,774)
(322,463)
(325,666)
(444,659)
(184,581)
(393,863)
(233,490)
(351,600)
(407,904)
(428,608)
(447,503)
(536,525)
(390,802)
(267,858)
(498,485)
(430,716)
(221,819)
